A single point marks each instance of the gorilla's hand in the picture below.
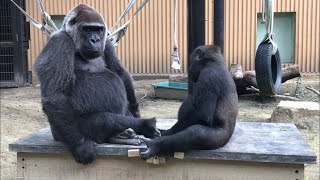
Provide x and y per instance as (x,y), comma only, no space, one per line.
(149,129)
(152,150)
(84,153)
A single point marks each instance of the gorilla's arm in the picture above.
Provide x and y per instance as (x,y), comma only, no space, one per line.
(113,63)
(205,94)
(196,137)
(55,70)
(133,104)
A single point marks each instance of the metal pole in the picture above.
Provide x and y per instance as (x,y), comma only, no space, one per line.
(219,24)
(196,25)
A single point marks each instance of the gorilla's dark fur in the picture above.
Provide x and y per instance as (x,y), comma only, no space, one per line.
(207,118)
(87,94)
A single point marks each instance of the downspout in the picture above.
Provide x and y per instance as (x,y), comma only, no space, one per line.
(219,24)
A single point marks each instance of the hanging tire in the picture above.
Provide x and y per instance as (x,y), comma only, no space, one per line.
(268,70)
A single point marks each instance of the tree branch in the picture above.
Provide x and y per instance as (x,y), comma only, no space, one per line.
(313,90)
(289,98)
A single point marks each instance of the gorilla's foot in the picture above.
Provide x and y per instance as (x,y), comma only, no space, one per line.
(128,137)
(152,150)
(126,134)
(141,137)
(149,128)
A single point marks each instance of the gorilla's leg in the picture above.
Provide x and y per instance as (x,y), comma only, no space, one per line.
(127,136)
(128,113)
(179,126)
(102,126)
(195,137)
(187,116)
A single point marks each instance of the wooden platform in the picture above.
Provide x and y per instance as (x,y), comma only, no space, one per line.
(255,151)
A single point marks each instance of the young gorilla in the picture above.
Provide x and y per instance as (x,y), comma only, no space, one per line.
(86,93)
(207,118)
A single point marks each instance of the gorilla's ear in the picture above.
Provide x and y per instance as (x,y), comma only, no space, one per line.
(55,63)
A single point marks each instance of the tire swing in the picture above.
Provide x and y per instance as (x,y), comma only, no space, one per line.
(267,62)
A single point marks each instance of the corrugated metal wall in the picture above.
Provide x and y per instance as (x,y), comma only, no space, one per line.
(240,30)
(148,42)
(147,45)
(209,21)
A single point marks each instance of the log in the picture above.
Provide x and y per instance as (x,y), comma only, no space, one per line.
(245,79)
(236,71)
(178,78)
(290,72)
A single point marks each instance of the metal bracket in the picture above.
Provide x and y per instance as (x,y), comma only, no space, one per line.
(269,37)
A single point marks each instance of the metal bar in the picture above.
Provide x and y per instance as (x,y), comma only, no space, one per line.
(196,25)
(219,23)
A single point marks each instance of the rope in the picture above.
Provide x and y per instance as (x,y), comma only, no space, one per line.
(263,11)
(116,35)
(175,43)
(268,18)
(267,14)
(271,8)
(141,6)
(125,12)
(175,55)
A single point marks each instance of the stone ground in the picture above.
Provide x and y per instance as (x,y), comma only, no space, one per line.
(21,114)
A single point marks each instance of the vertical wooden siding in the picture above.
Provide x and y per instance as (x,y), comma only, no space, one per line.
(148,42)
(240,31)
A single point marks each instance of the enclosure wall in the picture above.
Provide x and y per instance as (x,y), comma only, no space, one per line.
(147,45)
(241,30)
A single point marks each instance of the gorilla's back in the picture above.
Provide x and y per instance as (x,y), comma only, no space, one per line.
(227,105)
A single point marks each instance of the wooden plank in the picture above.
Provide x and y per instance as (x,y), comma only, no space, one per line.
(133,153)
(251,141)
(57,166)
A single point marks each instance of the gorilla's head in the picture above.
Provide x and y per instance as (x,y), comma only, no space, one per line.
(204,56)
(87,29)
(207,53)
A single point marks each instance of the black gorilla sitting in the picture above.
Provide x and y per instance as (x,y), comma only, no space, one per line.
(87,95)
(207,118)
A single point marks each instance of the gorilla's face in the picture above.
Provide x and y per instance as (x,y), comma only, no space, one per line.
(196,63)
(91,40)
(87,29)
